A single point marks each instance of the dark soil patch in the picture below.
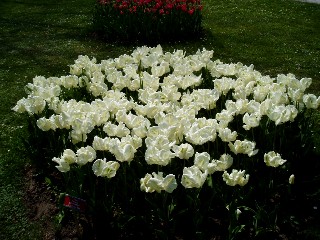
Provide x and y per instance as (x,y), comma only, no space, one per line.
(42,201)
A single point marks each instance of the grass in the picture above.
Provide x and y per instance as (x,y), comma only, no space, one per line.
(275,36)
(14,221)
(44,37)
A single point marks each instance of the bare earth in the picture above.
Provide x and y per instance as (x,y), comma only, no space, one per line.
(42,205)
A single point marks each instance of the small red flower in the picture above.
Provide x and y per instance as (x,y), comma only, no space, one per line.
(169,6)
(191,11)
(133,9)
(184,7)
(158,5)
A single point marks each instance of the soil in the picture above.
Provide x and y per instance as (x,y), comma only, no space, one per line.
(41,202)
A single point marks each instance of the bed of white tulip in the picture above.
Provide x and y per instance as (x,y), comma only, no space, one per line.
(166,104)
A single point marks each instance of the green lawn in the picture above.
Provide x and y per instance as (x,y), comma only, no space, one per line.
(44,37)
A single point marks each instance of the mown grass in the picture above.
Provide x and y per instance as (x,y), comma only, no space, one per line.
(44,37)
(275,36)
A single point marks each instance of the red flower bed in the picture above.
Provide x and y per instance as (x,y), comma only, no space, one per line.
(148,19)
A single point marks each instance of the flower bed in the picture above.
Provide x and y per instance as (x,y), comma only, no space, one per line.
(155,138)
(148,20)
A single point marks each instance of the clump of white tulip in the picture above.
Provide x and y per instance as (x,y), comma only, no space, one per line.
(155,99)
